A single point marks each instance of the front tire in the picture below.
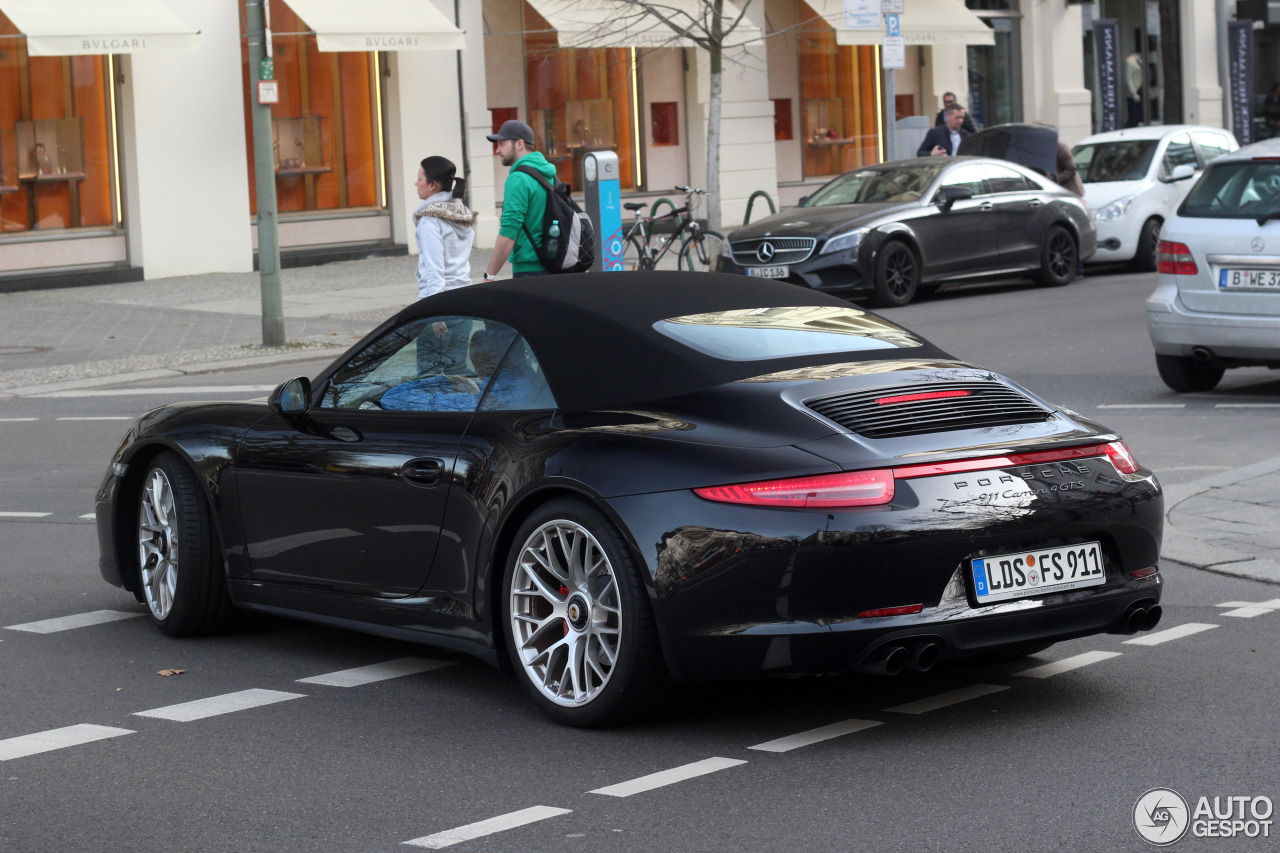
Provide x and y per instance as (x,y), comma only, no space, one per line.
(179,569)
(1058,258)
(1147,257)
(700,251)
(579,628)
(897,276)
(1184,375)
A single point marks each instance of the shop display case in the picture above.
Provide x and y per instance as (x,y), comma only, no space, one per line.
(577,128)
(824,121)
(50,149)
(8,161)
(301,146)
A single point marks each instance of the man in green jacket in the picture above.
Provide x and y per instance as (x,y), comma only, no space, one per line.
(524,202)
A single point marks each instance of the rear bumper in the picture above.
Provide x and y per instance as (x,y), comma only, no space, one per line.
(1175,329)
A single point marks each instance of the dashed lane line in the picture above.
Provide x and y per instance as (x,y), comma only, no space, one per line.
(1246,405)
(376,672)
(79,620)
(1250,609)
(34,744)
(812,736)
(24,514)
(96,418)
(1143,406)
(472,831)
(943,700)
(137,392)
(667,777)
(215,705)
(1172,634)
(16,420)
(1068,664)
(90,515)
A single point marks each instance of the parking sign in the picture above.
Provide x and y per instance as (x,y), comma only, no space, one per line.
(892,26)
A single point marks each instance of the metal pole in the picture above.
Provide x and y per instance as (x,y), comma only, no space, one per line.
(890,115)
(264,179)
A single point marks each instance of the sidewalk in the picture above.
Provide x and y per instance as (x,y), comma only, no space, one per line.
(72,339)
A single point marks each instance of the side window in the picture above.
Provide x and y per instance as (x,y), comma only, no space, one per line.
(968,175)
(432,364)
(1212,145)
(1003,180)
(1179,153)
(519,384)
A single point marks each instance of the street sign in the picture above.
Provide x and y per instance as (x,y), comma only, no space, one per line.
(892,26)
(893,52)
(891,7)
(266,68)
(268,92)
(862,15)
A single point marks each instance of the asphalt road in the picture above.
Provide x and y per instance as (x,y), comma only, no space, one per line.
(1054,762)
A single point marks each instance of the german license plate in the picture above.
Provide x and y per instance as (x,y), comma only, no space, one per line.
(1249,280)
(1039,572)
(769,272)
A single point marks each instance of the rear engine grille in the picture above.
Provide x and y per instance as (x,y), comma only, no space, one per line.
(784,250)
(911,410)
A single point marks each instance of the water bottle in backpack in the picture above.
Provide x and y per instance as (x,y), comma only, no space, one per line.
(553,238)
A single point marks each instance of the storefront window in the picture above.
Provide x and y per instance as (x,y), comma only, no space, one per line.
(838,109)
(56,166)
(326,128)
(1150,82)
(995,71)
(580,100)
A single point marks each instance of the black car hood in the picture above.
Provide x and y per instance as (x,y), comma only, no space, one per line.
(819,221)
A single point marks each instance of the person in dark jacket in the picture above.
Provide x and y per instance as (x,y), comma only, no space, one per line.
(949,98)
(1067,175)
(942,141)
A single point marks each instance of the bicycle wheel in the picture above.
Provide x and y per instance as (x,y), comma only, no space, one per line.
(700,251)
(635,255)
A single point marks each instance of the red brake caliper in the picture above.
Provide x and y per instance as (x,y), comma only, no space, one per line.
(564,590)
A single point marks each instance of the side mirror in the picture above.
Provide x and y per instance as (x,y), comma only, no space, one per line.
(951,195)
(1181,173)
(291,398)
(804,199)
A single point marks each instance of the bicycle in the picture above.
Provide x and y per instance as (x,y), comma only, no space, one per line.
(699,250)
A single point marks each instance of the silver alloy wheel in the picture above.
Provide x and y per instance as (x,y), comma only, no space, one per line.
(566,613)
(158,543)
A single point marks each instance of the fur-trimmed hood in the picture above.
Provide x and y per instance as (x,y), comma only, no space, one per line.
(451,210)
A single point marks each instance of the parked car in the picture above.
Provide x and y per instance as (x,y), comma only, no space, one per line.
(1135,178)
(1217,299)
(629,478)
(891,230)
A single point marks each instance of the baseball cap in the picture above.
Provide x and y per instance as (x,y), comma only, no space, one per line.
(512,129)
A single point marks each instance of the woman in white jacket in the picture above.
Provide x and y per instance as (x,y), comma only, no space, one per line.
(445,228)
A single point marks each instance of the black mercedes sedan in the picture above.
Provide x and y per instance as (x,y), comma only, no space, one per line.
(892,230)
(610,483)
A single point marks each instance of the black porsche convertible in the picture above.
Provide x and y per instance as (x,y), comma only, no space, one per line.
(610,483)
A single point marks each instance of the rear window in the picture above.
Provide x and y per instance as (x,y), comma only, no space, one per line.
(1125,160)
(764,333)
(1243,189)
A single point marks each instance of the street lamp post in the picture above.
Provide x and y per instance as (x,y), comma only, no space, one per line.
(259,34)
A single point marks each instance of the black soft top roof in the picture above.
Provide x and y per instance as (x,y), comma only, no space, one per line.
(594,337)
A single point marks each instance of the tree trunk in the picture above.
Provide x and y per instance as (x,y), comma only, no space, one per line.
(713,117)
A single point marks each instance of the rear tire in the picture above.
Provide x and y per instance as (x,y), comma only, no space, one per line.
(635,255)
(1059,258)
(1184,375)
(897,275)
(1148,255)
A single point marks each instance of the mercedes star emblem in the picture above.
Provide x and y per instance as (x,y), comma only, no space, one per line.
(765,252)
(1257,244)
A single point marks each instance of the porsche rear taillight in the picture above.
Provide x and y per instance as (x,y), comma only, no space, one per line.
(1176,259)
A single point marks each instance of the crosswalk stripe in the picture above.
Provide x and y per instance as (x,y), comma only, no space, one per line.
(215,705)
(1172,634)
(812,736)
(1068,664)
(376,672)
(79,620)
(667,777)
(34,744)
(942,700)
(482,828)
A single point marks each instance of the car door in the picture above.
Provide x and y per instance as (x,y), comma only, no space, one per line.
(961,239)
(351,496)
(1020,215)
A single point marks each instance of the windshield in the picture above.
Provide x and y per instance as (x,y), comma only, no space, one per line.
(1244,189)
(763,333)
(876,185)
(1124,160)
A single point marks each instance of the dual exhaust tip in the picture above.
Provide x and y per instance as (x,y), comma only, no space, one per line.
(1139,617)
(893,658)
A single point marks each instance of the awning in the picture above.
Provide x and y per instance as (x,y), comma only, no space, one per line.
(343,25)
(923,22)
(80,27)
(603,23)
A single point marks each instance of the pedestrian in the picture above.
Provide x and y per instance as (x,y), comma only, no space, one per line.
(949,98)
(945,140)
(1271,112)
(445,230)
(524,202)
(1067,175)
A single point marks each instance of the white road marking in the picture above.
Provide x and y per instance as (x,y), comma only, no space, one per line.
(501,823)
(1143,406)
(942,700)
(215,705)
(98,418)
(79,620)
(1172,634)
(1249,612)
(668,777)
(135,392)
(24,514)
(1246,405)
(21,747)
(16,420)
(376,672)
(1068,664)
(1235,604)
(90,515)
(790,742)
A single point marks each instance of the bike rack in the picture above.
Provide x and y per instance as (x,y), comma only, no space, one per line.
(751,200)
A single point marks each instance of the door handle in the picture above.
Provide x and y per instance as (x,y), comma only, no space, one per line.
(422,472)
(1035,202)
(986,207)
